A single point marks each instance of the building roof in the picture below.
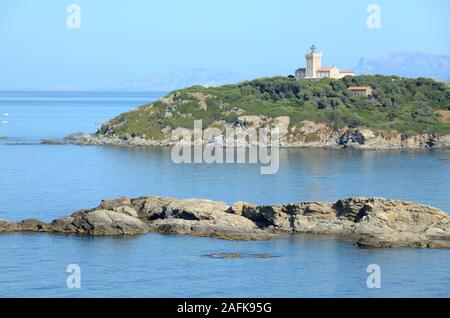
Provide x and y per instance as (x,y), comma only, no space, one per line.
(325,69)
(359,88)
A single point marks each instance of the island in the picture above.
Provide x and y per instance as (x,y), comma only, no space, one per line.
(369,222)
(365,112)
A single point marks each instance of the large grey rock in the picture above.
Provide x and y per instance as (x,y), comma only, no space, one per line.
(125,209)
(6,226)
(392,223)
(153,207)
(100,222)
(32,225)
(196,209)
(109,222)
(111,204)
(224,230)
(207,218)
(371,222)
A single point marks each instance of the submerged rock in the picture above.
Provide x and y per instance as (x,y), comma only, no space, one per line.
(239,255)
(52,142)
(371,222)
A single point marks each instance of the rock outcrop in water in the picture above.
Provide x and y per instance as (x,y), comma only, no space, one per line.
(371,222)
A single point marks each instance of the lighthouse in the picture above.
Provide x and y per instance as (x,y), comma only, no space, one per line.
(313,62)
(314,69)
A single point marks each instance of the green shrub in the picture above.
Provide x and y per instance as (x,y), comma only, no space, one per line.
(402,104)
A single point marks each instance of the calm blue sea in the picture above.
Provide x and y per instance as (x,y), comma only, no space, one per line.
(51,181)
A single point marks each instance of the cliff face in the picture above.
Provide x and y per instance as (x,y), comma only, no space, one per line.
(371,222)
(320,135)
(401,113)
(307,134)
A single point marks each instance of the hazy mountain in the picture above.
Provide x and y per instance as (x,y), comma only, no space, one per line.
(177,80)
(407,64)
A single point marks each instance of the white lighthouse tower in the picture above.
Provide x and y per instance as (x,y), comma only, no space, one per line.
(313,62)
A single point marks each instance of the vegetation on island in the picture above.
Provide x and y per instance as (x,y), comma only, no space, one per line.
(408,106)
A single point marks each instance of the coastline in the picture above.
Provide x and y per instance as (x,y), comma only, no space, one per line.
(369,222)
(419,142)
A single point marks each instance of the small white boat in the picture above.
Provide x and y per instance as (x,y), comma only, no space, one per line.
(4,122)
(6,114)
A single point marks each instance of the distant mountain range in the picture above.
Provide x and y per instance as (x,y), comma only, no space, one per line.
(177,80)
(407,64)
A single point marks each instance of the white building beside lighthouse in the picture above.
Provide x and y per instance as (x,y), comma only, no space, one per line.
(314,69)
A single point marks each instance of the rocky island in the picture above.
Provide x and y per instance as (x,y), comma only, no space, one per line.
(398,113)
(370,222)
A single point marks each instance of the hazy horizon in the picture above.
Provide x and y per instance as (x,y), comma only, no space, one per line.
(127,47)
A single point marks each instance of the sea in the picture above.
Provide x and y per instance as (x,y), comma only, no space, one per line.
(45,182)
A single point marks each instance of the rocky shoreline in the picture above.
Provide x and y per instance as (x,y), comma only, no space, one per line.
(370,222)
(309,135)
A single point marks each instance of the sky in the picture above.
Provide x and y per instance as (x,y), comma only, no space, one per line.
(120,41)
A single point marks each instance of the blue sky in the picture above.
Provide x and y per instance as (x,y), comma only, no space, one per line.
(126,40)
